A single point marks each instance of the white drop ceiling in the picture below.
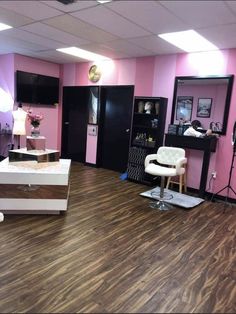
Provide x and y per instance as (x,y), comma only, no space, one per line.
(119,29)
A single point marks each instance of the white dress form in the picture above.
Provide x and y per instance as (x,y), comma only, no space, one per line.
(19,116)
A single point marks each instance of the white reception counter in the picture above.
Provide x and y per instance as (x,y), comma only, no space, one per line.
(32,187)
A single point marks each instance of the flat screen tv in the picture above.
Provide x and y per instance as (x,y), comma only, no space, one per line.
(36,89)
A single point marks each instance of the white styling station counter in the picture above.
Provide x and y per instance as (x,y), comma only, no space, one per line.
(34,187)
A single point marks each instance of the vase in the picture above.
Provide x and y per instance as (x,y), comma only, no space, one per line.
(35,131)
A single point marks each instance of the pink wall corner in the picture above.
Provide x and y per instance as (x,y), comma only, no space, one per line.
(81,74)
(184,66)
(126,71)
(69,74)
(163,83)
(38,66)
(110,70)
(144,76)
(202,63)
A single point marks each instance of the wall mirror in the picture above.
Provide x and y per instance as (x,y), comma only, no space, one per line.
(206,99)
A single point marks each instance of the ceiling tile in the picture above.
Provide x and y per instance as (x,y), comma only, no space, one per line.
(120,29)
(55,34)
(201,13)
(232,5)
(79,28)
(78,5)
(13,19)
(108,20)
(18,33)
(148,14)
(223,36)
(155,44)
(15,42)
(33,9)
(128,48)
(55,56)
(106,51)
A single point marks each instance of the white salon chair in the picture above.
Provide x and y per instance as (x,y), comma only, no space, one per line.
(165,157)
(1,217)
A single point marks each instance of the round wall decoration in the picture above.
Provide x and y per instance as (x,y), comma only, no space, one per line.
(94,74)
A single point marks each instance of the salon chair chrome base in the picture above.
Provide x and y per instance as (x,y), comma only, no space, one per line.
(161,205)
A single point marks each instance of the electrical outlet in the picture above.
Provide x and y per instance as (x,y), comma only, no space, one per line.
(213,174)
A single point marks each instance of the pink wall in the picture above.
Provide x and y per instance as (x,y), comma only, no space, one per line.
(68,74)
(7,86)
(154,76)
(144,76)
(163,83)
(49,126)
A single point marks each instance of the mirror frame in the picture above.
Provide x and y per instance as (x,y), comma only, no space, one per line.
(230,79)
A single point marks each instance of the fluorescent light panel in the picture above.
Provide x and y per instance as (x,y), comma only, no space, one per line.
(103,1)
(189,41)
(4,26)
(84,54)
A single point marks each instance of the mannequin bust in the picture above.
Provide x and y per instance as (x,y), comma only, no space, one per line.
(148,107)
(19,117)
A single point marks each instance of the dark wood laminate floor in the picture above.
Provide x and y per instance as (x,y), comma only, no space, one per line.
(112,253)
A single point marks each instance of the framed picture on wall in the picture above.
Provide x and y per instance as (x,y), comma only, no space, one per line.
(204,107)
(184,108)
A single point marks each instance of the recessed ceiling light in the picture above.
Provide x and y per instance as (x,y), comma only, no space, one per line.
(84,54)
(4,26)
(104,1)
(189,41)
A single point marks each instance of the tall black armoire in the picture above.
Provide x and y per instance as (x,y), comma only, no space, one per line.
(148,127)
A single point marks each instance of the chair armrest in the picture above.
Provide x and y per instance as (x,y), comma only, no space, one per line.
(149,158)
(179,163)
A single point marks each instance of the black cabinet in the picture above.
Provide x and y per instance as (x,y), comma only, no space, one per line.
(76,104)
(147,134)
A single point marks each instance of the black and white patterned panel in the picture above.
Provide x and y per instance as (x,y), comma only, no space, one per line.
(135,172)
(137,155)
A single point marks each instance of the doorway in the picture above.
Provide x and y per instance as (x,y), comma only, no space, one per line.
(115,124)
(75,118)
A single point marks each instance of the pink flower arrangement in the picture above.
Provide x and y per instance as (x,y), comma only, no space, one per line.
(34,119)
